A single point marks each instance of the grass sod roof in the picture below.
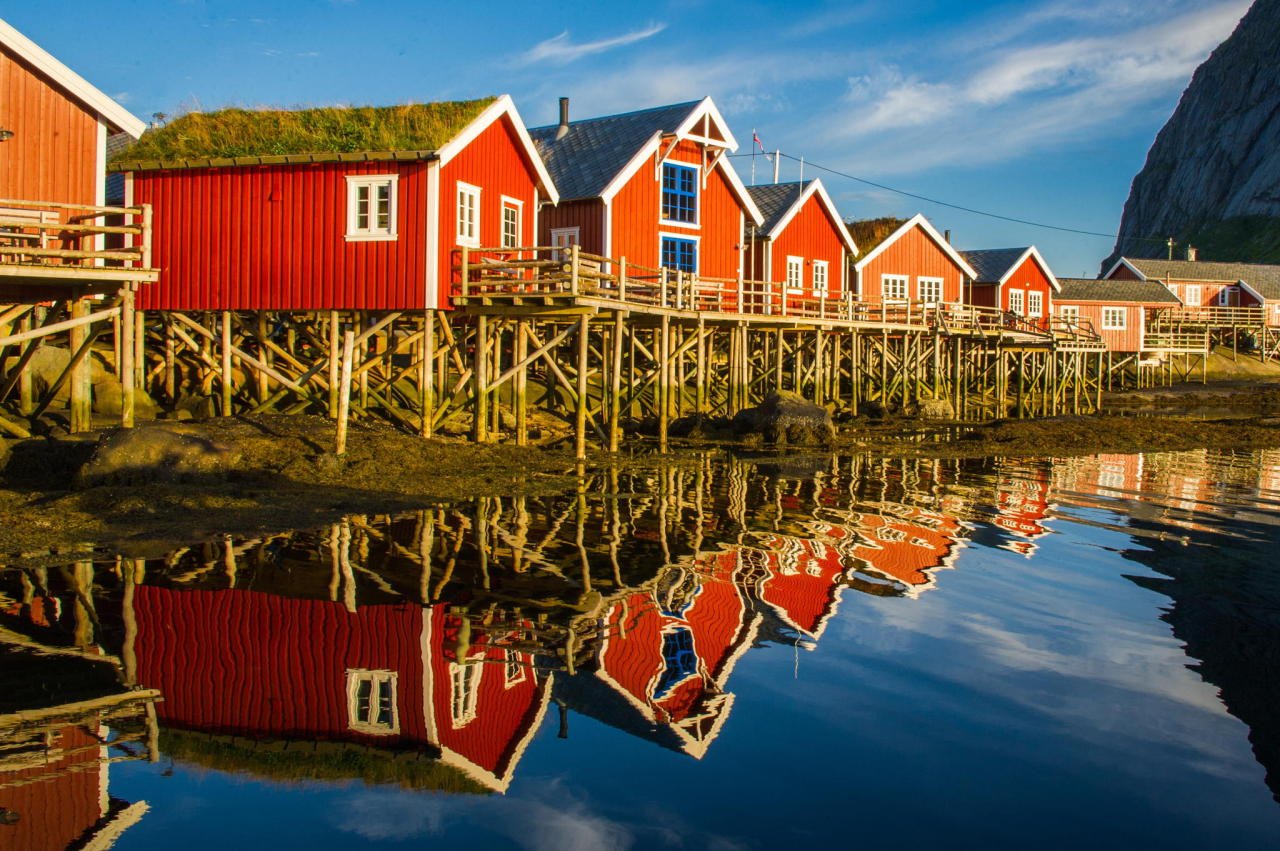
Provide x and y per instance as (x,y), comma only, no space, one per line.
(868,233)
(242,136)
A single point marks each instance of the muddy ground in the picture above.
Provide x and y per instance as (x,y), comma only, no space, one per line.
(175,483)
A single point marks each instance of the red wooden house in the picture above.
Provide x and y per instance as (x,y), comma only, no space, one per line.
(802,242)
(282,210)
(1117,309)
(393,677)
(54,126)
(915,263)
(652,186)
(1022,506)
(1015,280)
(1199,283)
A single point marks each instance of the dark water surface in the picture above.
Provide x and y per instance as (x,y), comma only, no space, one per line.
(712,652)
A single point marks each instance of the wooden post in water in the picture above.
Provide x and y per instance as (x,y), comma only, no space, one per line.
(664,382)
(580,414)
(344,390)
(521,383)
(615,381)
(701,378)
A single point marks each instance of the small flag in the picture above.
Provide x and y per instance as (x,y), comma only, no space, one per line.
(756,138)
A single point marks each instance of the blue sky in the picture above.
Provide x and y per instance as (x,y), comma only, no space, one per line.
(1040,110)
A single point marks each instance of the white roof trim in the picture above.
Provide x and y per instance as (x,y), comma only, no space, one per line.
(1124,262)
(503,106)
(815,186)
(1040,261)
(918,220)
(114,114)
(707,108)
(1245,285)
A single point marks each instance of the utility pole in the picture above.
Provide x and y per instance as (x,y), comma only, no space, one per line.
(1171,244)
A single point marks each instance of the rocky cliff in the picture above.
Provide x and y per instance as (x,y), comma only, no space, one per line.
(1212,178)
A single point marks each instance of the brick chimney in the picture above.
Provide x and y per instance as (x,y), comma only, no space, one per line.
(1191,253)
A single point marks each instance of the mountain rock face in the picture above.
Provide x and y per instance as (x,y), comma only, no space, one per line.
(1212,178)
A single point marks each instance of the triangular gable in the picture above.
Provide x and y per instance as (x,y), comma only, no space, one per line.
(1040,261)
(1124,262)
(503,106)
(80,88)
(1245,285)
(918,220)
(815,187)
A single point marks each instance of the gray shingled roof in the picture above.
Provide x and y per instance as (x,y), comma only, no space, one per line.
(1263,278)
(594,150)
(1092,289)
(991,264)
(775,199)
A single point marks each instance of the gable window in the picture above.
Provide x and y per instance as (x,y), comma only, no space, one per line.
(1015,301)
(679,254)
(371,207)
(1114,318)
(1035,303)
(894,287)
(1193,295)
(468,230)
(679,193)
(511,222)
(795,273)
(930,290)
(371,702)
(821,285)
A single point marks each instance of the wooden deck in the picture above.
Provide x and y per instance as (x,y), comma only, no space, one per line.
(46,245)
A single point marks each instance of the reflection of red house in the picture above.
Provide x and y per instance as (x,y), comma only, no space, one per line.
(804,580)
(1022,505)
(392,676)
(901,542)
(669,652)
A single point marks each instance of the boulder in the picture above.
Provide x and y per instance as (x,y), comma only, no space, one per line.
(786,418)
(108,396)
(937,409)
(156,453)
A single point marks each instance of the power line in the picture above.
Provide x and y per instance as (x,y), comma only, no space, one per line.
(960,207)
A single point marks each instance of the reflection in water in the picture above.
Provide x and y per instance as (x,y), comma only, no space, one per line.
(424,650)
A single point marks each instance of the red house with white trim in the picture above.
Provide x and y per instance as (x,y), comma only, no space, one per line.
(1015,280)
(240,226)
(802,242)
(915,263)
(1116,309)
(1200,283)
(652,186)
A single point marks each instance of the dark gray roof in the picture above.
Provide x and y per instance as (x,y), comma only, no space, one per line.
(992,264)
(775,199)
(594,150)
(1263,278)
(1092,289)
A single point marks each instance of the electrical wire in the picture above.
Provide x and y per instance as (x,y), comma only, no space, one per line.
(960,207)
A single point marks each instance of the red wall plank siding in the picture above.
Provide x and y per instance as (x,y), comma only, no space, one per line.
(1029,277)
(586,216)
(981,295)
(1127,340)
(813,235)
(56,802)
(1122,273)
(53,153)
(915,255)
(272,238)
(496,162)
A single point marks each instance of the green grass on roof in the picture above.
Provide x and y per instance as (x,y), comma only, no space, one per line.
(322,130)
(868,233)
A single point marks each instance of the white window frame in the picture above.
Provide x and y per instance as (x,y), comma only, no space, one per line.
(372,233)
(904,280)
(376,679)
(509,203)
(563,238)
(1035,304)
(464,691)
(1018,302)
(794,274)
(696,224)
(1195,294)
(938,284)
(514,669)
(821,283)
(471,240)
(1069,313)
(1224,296)
(1115,318)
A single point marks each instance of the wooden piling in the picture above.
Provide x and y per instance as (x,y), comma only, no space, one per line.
(344,390)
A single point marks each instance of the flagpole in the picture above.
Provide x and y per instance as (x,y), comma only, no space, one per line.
(753,156)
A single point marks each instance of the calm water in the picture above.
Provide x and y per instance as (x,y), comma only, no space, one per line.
(715,653)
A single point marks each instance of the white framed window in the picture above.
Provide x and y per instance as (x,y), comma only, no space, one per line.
(1016,301)
(464,693)
(1035,303)
(371,207)
(512,222)
(514,669)
(1193,296)
(1070,313)
(1224,296)
(563,238)
(468,216)
(371,702)
(821,281)
(1114,318)
(679,194)
(930,290)
(894,287)
(795,272)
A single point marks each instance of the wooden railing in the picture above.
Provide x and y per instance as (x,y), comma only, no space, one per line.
(534,271)
(41,233)
(1208,317)
(1176,341)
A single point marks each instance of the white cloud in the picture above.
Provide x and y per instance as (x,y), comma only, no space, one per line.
(562,50)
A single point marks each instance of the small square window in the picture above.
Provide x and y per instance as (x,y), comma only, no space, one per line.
(795,273)
(1113,318)
(468,218)
(371,702)
(1015,301)
(930,290)
(894,287)
(821,284)
(1035,303)
(371,207)
(680,254)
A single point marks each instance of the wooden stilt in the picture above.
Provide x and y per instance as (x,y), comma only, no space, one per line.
(521,384)
(615,383)
(228,380)
(128,375)
(344,390)
(580,412)
(81,372)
